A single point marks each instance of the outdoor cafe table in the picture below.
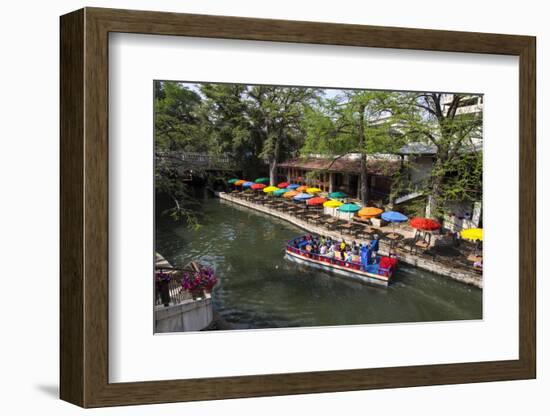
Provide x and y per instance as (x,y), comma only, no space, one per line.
(394,236)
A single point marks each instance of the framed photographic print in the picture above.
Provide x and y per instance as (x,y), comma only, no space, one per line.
(256,207)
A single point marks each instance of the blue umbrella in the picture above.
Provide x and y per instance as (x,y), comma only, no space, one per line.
(247,184)
(302,197)
(393,216)
(292,186)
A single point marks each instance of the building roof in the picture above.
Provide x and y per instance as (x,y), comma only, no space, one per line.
(345,164)
(418,148)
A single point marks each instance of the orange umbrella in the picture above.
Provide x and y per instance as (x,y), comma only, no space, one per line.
(369,212)
(302,188)
(291,194)
(316,201)
(239,182)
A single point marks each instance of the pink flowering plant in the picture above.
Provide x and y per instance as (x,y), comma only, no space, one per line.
(204,279)
(161,276)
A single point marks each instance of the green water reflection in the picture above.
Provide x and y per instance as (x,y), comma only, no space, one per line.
(258,288)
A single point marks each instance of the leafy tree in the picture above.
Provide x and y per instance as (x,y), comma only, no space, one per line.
(354,121)
(435,118)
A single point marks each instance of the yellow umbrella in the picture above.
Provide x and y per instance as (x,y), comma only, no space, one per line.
(291,194)
(475,234)
(333,203)
(313,190)
(270,189)
(239,182)
(369,212)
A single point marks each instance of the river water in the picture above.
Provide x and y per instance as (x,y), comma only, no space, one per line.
(258,288)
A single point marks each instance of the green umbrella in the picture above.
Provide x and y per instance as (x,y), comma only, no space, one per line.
(262,180)
(337,195)
(232,181)
(349,208)
(280,192)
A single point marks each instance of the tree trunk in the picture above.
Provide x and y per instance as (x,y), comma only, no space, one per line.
(273,163)
(432,208)
(364,186)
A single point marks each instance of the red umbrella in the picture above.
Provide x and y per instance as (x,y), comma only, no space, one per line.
(283,185)
(316,201)
(425,224)
(257,186)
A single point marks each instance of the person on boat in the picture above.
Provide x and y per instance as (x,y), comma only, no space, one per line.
(355,248)
(349,257)
(323,250)
(375,245)
(343,245)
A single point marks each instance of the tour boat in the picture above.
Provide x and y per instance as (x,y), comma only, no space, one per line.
(378,271)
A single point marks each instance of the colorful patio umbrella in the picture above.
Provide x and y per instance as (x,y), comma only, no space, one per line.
(475,234)
(280,192)
(258,186)
(270,189)
(349,208)
(290,194)
(393,216)
(293,186)
(232,181)
(262,180)
(316,201)
(425,224)
(247,184)
(333,203)
(240,182)
(302,188)
(283,185)
(302,197)
(338,195)
(369,212)
(313,190)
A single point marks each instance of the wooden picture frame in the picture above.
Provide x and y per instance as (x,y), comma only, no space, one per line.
(84,207)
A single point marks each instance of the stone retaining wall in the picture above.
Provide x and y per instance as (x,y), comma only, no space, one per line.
(463,276)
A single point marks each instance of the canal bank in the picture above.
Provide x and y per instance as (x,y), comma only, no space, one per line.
(463,276)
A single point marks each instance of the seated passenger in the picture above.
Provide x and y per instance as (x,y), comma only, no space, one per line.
(323,250)
(349,257)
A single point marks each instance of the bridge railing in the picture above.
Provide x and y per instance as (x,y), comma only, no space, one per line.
(196,160)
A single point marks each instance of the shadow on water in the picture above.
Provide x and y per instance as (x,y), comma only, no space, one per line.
(258,288)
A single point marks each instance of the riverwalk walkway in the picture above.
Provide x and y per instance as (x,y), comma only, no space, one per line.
(440,263)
